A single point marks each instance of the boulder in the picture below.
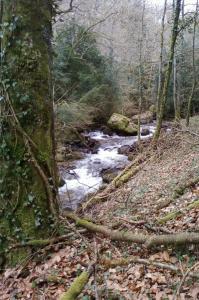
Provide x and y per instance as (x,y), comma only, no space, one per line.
(109,175)
(145,118)
(65,154)
(125,150)
(135,149)
(75,155)
(145,131)
(106,130)
(122,124)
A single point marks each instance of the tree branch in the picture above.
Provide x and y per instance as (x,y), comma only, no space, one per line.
(108,263)
(148,241)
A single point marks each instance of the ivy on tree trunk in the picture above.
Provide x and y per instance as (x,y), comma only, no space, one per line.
(28,193)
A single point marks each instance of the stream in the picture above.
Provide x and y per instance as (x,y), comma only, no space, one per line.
(84,177)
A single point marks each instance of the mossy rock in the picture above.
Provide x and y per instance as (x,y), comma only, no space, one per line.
(63,155)
(122,124)
(109,175)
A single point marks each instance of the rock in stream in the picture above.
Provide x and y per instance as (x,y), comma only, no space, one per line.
(85,175)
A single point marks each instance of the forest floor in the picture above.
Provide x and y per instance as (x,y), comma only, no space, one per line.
(162,198)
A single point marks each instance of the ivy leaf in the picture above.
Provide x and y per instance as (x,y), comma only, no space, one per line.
(37,223)
(30,198)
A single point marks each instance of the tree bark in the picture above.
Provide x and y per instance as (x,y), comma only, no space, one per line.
(28,191)
(160,80)
(176,239)
(190,100)
(122,262)
(141,73)
(168,71)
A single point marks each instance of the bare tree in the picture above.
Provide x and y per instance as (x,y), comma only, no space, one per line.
(160,81)
(193,67)
(168,71)
(141,72)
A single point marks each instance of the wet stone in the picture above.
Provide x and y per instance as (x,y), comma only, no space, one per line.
(98,166)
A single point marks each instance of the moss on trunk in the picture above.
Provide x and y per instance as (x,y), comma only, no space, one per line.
(26,138)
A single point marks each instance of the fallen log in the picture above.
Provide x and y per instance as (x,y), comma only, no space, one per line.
(174,214)
(180,190)
(45,242)
(149,241)
(78,285)
(108,263)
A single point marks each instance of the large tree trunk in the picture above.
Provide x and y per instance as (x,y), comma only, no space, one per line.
(163,97)
(28,193)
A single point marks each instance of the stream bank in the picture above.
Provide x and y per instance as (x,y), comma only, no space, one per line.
(108,157)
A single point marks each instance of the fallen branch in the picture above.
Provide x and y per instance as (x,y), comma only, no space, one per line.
(188,131)
(45,242)
(157,229)
(132,222)
(179,191)
(170,216)
(149,241)
(78,285)
(186,274)
(112,234)
(108,263)
(174,214)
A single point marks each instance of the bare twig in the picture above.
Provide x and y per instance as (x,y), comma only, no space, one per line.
(186,274)
(135,223)
(95,269)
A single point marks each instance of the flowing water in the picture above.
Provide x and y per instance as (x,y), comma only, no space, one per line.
(84,177)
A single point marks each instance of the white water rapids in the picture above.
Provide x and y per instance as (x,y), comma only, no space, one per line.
(85,175)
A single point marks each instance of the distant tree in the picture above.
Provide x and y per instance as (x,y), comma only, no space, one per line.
(78,65)
(160,73)
(165,84)
(141,71)
(193,66)
(84,79)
